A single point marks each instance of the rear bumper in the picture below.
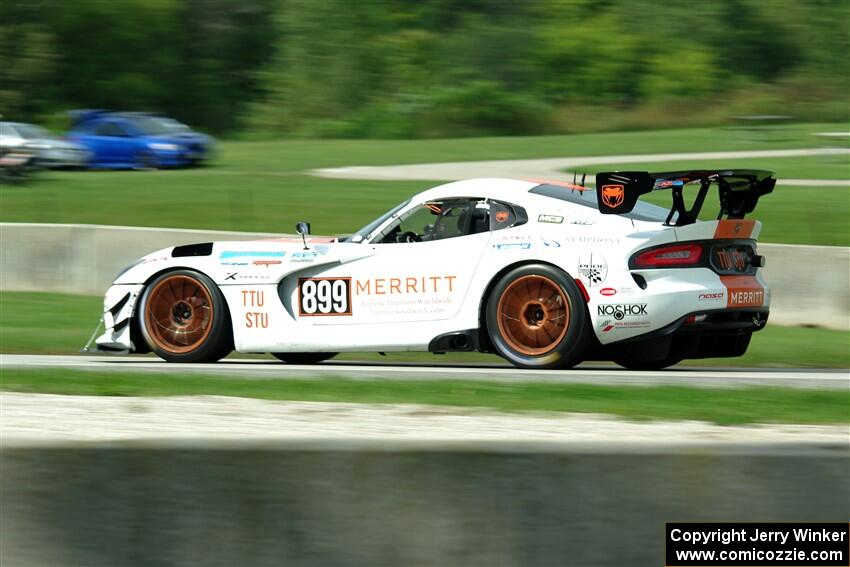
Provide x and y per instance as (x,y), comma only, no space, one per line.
(724,333)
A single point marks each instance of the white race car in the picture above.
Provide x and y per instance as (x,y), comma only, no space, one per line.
(545,274)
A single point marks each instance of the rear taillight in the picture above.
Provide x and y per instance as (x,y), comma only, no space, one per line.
(669,256)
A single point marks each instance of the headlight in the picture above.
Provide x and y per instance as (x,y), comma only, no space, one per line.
(164,147)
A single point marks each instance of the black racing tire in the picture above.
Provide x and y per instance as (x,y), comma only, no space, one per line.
(536,318)
(303,357)
(649,364)
(183,317)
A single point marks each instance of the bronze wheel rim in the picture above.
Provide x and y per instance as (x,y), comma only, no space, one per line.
(533,315)
(178,314)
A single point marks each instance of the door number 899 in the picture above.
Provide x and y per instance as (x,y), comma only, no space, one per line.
(324,296)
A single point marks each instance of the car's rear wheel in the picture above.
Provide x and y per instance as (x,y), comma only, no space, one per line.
(648,364)
(536,318)
(184,318)
(303,357)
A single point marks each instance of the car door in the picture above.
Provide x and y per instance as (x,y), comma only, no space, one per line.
(113,144)
(423,264)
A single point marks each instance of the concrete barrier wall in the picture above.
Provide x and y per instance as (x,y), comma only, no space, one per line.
(84,258)
(811,284)
(369,503)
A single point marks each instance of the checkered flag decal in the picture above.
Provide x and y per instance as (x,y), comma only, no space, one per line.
(593,275)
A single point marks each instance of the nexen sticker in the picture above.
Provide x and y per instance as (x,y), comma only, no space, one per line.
(621,310)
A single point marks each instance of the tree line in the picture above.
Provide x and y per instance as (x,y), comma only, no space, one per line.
(419,68)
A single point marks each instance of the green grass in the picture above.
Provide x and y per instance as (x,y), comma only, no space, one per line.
(261,186)
(48,323)
(725,406)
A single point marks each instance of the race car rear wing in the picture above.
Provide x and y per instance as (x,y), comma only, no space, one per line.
(618,192)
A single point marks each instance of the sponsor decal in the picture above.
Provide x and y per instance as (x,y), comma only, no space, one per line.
(553,219)
(711,296)
(583,222)
(622,310)
(238,276)
(266,262)
(324,296)
(608,291)
(743,291)
(592,270)
(596,240)
(410,296)
(234,263)
(305,256)
(255,254)
(513,246)
(550,243)
(407,285)
(746,298)
(609,325)
(502,216)
(159,259)
(255,299)
(613,195)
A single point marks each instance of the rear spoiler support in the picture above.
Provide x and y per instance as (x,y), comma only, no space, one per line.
(739,190)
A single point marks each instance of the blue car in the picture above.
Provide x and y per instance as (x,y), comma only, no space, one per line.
(137,140)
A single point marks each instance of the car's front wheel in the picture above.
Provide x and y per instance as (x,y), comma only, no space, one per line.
(184,318)
(536,318)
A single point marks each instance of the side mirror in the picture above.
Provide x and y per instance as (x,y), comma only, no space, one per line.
(303,228)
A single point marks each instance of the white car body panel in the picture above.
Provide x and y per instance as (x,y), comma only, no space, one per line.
(403,295)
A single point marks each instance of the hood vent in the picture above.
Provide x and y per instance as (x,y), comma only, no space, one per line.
(204,249)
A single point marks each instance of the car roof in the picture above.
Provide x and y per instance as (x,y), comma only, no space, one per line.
(518,191)
(490,187)
(84,116)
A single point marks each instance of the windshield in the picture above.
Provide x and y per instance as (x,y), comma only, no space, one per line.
(365,232)
(31,132)
(172,125)
(156,126)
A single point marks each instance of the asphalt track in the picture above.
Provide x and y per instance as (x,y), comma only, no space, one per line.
(556,168)
(591,373)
